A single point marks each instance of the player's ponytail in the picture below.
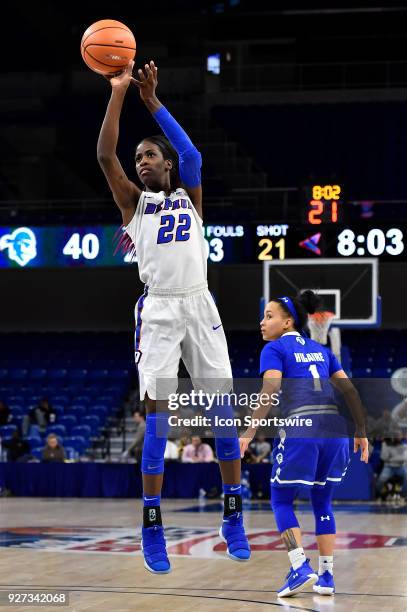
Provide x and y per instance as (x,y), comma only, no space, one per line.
(306,303)
(309,300)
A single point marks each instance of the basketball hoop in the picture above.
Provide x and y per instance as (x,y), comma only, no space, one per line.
(319,324)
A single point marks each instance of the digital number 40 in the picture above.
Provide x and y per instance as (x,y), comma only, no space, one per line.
(87,246)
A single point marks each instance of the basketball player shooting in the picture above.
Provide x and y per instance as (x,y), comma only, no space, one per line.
(176,317)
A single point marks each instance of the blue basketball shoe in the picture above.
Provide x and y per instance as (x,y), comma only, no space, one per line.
(298,580)
(325,584)
(232,532)
(154,550)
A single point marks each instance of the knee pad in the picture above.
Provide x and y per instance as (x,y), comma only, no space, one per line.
(227,449)
(321,504)
(221,418)
(282,504)
(224,429)
(155,439)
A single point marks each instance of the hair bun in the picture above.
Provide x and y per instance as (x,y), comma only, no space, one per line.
(310,300)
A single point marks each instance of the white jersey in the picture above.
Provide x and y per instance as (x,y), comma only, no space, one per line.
(168,238)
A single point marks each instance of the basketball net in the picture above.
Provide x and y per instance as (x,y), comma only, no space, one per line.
(319,325)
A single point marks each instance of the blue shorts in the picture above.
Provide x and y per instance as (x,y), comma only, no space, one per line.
(309,461)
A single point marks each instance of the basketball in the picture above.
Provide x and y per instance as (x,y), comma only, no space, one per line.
(107,46)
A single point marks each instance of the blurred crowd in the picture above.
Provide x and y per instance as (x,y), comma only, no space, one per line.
(387,440)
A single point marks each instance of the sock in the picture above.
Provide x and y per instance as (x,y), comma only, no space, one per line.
(151,510)
(233,499)
(297,557)
(151,500)
(326,563)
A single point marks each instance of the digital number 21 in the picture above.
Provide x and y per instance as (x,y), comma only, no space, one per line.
(166,231)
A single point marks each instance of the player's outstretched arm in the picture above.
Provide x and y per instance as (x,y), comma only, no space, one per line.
(190,160)
(341,381)
(125,192)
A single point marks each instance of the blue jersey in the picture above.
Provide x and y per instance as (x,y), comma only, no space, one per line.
(306,367)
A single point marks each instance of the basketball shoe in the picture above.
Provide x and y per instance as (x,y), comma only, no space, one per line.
(154,550)
(325,584)
(298,580)
(232,532)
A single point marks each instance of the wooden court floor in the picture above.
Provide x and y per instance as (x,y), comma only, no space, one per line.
(90,547)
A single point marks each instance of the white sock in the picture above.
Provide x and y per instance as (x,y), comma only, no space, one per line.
(326,563)
(297,557)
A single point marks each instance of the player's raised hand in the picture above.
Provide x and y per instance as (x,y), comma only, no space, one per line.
(363,444)
(122,80)
(147,81)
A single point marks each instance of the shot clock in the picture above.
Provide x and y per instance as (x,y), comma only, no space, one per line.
(324,206)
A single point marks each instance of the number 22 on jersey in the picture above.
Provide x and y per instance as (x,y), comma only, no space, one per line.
(168,229)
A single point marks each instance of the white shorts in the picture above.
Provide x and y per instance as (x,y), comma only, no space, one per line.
(175,324)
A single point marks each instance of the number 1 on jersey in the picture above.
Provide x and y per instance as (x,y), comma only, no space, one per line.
(315,375)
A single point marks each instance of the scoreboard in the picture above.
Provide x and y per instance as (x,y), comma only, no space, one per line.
(320,232)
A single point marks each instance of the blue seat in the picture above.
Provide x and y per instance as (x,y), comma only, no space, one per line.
(35,431)
(60,386)
(57,373)
(16,399)
(92,390)
(77,410)
(76,442)
(37,452)
(98,374)
(16,409)
(58,409)
(71,453)
(107,399)
(361,372)
(100,411)
(59,399)
(93,422)
(38,374)
(241,372)
(18,373)
(6,431)
(99,408)
(381,372)
(118,374)
(33,400)
(81,430)
(83,399)
(17,419)
(69,421)
(58,430)
(114,390)
(3,373)
(77,373)
(33,441)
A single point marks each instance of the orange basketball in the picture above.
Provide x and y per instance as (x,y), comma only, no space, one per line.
(107,46)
